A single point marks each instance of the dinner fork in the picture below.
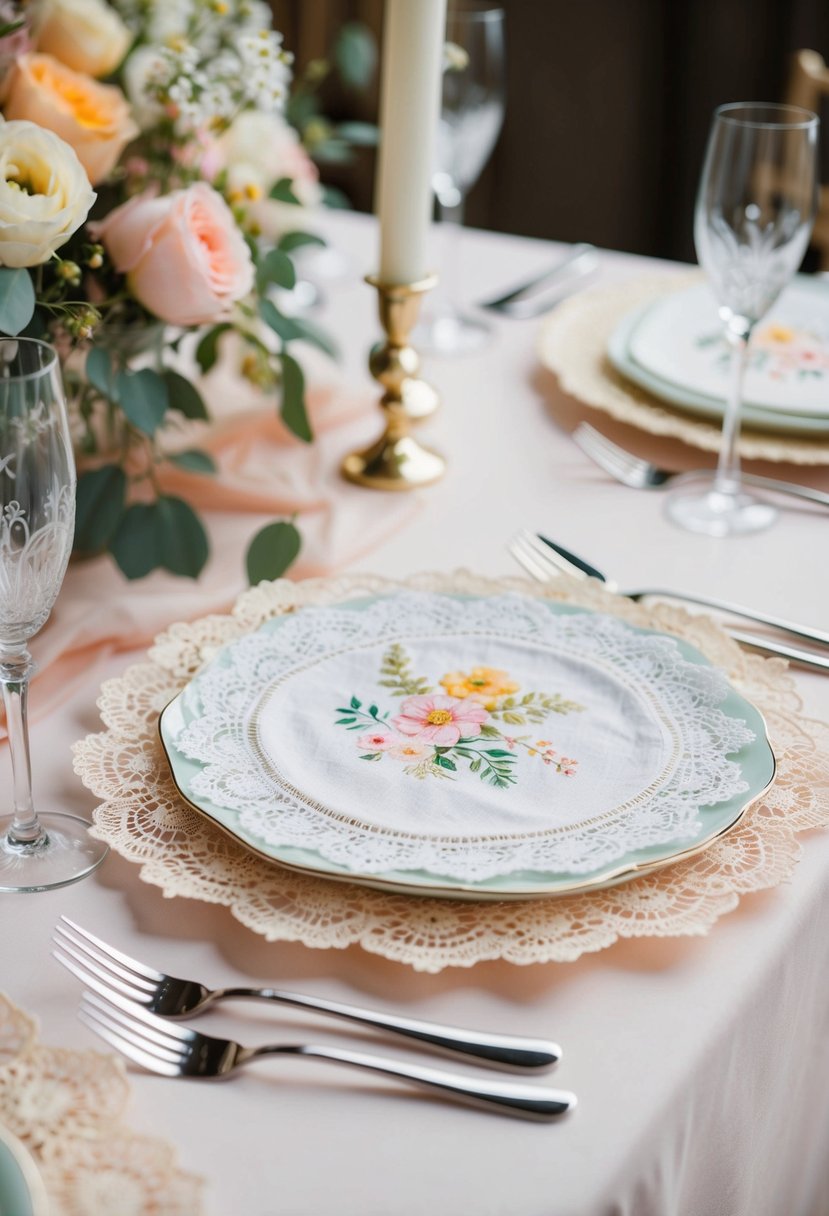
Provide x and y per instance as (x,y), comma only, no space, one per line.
(109,972)
(176,1051)
(639,473)
(543,560)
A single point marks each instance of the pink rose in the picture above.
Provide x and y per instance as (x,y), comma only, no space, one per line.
(183,254)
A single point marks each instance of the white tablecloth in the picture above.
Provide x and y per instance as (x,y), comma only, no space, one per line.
(701,1065)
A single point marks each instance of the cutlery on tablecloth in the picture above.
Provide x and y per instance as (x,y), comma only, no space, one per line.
(176,1051)
(109,972)
(640,474)
(543,559)
(542,292)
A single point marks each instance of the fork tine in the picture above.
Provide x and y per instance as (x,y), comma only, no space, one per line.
(626,467)
(130,985)
(168,1033)
(550,562)
(95,978)
(133,1032)
(127,1048)
(111,954)
(525,557)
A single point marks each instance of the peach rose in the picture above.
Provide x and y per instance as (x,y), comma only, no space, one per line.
(92,118)
(183,254)
(86,35)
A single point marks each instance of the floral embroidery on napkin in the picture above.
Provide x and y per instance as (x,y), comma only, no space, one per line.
(781,351)
(435,732)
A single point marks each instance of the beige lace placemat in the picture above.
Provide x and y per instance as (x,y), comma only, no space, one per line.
(67,1109)
(143,818)
(573,345)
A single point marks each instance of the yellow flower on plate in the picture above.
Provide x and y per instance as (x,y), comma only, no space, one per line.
(779,334)
(482,684)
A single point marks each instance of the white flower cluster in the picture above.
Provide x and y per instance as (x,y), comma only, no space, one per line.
(209,59)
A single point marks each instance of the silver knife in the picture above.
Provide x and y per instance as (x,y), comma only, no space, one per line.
(581,260)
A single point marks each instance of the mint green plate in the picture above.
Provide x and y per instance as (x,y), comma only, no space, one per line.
(21,1189)
(756,760)
(618,351)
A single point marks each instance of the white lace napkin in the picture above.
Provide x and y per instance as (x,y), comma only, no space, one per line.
(463,737)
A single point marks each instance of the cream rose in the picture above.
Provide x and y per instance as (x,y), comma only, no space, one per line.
(92,118)
(44,194)
(256,151)
(86,35)
(183,254)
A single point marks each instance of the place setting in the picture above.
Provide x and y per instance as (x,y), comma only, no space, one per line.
(395,755)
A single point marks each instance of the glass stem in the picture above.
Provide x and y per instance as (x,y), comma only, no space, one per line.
(15,671)
(727,476)
(451,220)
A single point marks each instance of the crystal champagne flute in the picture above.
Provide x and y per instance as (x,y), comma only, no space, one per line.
(37,517)
(472,113)
(754,214)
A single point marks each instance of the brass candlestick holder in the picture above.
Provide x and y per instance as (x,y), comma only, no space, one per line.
(397,461)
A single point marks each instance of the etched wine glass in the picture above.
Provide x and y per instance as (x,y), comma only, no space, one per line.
(754,214)
(472,114)
(37,518)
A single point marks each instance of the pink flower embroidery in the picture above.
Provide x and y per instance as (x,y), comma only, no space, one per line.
(440,720)
(377,741)
(410,749)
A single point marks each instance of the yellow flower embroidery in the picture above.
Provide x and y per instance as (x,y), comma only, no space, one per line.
(782,334)
(482,684)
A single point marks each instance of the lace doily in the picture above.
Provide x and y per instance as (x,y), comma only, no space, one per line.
(67,1108)
(573,345)
(449,714)
(143,818)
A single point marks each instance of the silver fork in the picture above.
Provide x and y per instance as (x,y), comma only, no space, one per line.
(544,561)
(639,473)
(111,973)
(176,1051)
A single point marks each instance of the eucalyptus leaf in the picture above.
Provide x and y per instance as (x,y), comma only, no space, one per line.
(99,373)
(361,134)
(273,549)
(100,501)
(137,544)
(295,240)
(335,198)
(183,396)
(292,410)
(184,545)
(307,331)
(355,54)
(285,327)
(333,152)
(143,397)
(275,268)
(283,192)
(17,300)
(194,461)
(207,351)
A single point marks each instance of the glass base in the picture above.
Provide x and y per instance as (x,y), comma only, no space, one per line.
(714,513)
(451,334)
(66,854)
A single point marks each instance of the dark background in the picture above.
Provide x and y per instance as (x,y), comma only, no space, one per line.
(608,107)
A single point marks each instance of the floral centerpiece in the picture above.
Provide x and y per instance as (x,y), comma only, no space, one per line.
(151,188)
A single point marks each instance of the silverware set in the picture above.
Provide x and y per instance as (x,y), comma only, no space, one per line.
(137,1010)
(545,560)
(542,292)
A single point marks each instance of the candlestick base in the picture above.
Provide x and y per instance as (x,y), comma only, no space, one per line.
(396,461)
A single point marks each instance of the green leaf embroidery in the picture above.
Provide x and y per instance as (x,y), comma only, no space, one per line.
(397,673)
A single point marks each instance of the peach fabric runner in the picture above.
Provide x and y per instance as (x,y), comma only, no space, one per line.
(264,473)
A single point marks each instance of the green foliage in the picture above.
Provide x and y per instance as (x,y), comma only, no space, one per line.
(283,192)
(533,707)
(194,461)
(272,551)
(292,410)
(355,54)
(164,534)
(396,672)
(99,373)
(275,269)
(307,331)
(136,545)
(100,499)
(359,134)
(335,198)
(143,397)
(207,351)
(295,240)
(17,300)
(182,395)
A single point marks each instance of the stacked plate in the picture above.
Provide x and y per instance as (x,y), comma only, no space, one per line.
(675,348)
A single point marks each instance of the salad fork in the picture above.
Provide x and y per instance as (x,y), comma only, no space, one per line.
(641,474)
(111,973)
(176,1051)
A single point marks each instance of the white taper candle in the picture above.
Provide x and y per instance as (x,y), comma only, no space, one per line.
(412,66)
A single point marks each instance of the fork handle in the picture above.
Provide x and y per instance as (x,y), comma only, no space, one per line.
(506,1096)
(504,1050)
(759,618)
